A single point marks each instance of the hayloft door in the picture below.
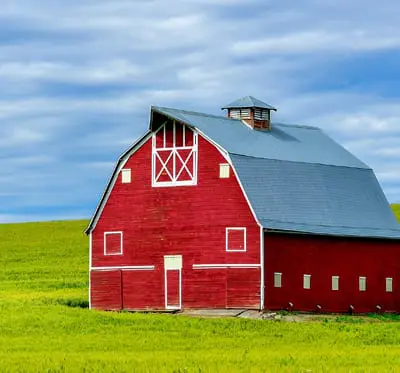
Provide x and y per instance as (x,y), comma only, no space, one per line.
(173,281)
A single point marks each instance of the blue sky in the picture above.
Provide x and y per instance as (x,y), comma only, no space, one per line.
(77,81)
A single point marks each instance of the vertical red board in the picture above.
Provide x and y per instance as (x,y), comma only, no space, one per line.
(324,257)
(178,134)
(106,290)
(173,284)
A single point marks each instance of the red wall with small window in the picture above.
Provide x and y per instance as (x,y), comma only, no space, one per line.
(323,257)
(186,220)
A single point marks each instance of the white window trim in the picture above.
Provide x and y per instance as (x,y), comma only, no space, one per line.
(126,172)
(335,283)
(307,282)
(224,168)
(389,284)
(174,154)
(227,229)
(362,279)
(121,251)
(277,275)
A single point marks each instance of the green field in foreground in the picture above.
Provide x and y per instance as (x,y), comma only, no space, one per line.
(44,278)
(396,209)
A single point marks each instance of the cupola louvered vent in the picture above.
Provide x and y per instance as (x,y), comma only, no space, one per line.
(260,114)
(240,113)
(253,112)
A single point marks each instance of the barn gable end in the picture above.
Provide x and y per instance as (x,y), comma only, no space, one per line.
(178,221)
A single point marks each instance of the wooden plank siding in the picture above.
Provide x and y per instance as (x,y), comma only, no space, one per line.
(183,220)
(324,257)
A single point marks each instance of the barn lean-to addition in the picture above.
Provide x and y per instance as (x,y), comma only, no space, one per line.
(208,211)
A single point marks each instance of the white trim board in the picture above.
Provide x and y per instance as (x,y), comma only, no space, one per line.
(121,245)
(127,268)
(262,284)
(90,266)
(219,266)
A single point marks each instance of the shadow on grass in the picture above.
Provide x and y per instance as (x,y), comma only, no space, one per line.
(72,302)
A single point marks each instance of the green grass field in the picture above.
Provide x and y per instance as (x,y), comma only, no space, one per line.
(44,279)
(396,209)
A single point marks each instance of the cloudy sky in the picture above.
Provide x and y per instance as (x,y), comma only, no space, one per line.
(77,79)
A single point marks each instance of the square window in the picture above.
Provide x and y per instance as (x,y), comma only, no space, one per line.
(389,284)
(113,243)
(235,239)
(362,283)
(335,283)
(277,280)
(126,175)
(224,170)
(307,281)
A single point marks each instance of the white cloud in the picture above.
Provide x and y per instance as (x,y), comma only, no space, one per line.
(76,82)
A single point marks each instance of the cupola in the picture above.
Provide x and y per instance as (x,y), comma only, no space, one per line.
(252,111)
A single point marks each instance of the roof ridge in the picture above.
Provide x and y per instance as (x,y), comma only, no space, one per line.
(199,113)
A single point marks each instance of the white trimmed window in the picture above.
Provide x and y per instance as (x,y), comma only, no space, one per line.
(277,280)
(235,239)
(335,283)
(113,243)
(307,281)
(126,175)
(174,155)
(224,170)
(389,284)
(362,283)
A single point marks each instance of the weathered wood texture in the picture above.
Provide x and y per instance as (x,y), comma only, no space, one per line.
(324,257)
(185,220)
(106,291)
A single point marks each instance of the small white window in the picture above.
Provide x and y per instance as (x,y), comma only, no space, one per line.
(307,281)
(113,243)
(362,283)
(224,169)
(335,283)
(235,239)
(126,175)
(277,280)
(389,284)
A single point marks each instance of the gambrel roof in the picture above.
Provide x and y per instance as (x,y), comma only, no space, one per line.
(298,179)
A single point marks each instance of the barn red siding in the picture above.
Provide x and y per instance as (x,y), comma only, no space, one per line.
(184,220)
(324,257)
(106,290)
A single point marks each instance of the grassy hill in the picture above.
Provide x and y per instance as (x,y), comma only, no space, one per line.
(43,285)
(396,209)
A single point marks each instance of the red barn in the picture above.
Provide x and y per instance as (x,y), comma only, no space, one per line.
(210,211)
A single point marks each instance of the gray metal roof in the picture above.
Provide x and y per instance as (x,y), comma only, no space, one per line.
(248,101)
(298,179)
(283,142)
(316,198)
